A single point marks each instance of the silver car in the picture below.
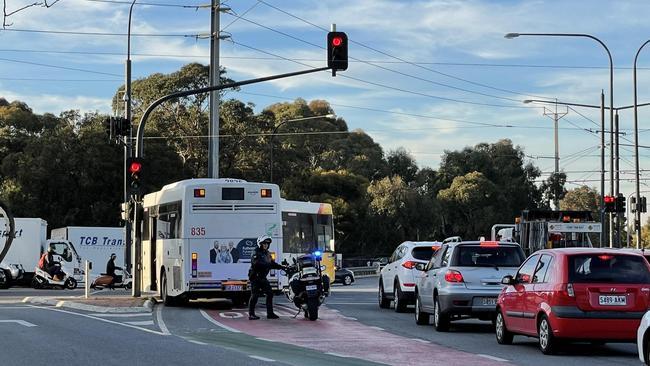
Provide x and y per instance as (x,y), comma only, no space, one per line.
(463,280)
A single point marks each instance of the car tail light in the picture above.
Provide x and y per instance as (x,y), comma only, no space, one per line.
(409,264)
(569,290)
(489,244)
(408,284)
(453,276)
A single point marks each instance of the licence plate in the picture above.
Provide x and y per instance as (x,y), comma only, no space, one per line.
(234,287)
(489,301)
(312,288)
(612,300)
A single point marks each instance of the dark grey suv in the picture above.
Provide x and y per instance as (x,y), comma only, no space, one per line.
(463,280)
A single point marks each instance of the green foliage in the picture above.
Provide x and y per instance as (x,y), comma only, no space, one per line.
(581,199)
(63,169)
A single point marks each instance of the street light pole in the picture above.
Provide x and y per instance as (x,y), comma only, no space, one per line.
(611,105)
(275,130)
(637,213)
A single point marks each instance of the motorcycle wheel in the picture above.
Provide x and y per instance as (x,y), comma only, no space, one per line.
(312,308)
(36,283)
(70,284)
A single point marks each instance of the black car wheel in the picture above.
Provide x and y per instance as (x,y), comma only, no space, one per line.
(347,280)
(503,334)
(384,303)
(440,320)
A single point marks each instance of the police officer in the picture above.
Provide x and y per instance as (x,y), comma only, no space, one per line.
(261,264)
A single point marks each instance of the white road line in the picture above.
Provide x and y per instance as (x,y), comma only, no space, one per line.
(266,340)
(129,315)
(349,318)
(336,354)
(376,328)
(144,322)
(161,323)
(21,322)
(420,340)
(197,342)
(262,358)
(209,318)
(100,319)
(493,358)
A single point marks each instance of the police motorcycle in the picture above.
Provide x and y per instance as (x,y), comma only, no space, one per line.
(121,281)
(42,279)
(308,286)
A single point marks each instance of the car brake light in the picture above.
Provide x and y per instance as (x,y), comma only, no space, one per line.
(569,290)
(409,264)
(453,276)
(605,257)
(489,244)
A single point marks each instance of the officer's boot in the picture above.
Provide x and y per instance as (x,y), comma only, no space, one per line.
(269,308)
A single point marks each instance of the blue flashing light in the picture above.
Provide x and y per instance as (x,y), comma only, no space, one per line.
(318,254)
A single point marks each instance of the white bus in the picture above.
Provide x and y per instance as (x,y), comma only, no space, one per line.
(198,236)
(306,228)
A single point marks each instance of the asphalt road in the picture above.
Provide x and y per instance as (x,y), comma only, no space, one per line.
(352,330)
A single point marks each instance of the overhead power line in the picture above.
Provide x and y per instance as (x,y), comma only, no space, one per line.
(109,34)
(399,58)
(151,4)
(60,67)
(388,86)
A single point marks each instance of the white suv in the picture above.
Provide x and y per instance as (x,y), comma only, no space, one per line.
(397,279)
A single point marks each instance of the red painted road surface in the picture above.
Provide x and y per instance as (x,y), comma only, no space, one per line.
(337,334)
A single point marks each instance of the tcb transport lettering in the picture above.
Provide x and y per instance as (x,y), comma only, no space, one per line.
(104,241)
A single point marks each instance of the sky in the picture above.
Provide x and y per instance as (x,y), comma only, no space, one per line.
(428,76)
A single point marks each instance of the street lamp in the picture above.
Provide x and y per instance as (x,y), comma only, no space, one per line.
(275,130)
(611,109)
(637,213)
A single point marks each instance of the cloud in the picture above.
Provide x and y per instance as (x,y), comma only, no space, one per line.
(50,103)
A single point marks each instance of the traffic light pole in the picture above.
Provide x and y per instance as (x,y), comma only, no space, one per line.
(128,144)
(137,242)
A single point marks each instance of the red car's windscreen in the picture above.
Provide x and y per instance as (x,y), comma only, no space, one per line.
(608,268)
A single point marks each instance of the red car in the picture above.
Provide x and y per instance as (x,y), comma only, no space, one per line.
(575,294)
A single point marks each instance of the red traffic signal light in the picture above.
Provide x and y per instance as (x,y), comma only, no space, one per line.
(610,203)
(135,167)
(610,199)
(337,51)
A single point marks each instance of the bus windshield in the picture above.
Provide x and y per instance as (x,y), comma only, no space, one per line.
(306,232)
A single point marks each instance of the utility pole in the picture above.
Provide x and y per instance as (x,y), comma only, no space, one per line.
(617,239)
(555,116)
(128,229)
(215,79)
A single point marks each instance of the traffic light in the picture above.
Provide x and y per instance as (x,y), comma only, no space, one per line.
(633,204)
(126,210)
(620,203)
(643,207)
(134,176)
(337,51)
(123,126)
(109,128)
(610,203)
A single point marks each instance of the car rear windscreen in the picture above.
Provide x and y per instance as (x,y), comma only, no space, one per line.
(488,256)
(608,268)
(422,253)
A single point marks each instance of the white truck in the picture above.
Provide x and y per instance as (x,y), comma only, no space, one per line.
(28,245)
(95,244)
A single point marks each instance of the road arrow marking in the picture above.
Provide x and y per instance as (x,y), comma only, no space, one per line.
(21,322)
